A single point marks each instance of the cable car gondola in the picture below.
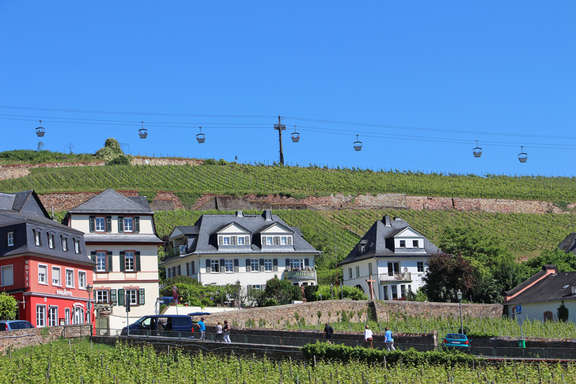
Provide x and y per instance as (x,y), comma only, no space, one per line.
(200,137)
(477,151)
(40,130)
(143,132)
(295,136)
(357,144)
(522,156)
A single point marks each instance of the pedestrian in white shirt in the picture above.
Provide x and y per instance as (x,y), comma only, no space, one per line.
(219,332)
(369,336)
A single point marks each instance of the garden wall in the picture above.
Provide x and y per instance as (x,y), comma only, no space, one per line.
(34,336)
(435,310)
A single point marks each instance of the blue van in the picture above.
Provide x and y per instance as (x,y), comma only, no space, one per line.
(161,325)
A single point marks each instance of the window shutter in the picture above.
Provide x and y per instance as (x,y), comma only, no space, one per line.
(306,262)
(120,297)
(287,263)
(193,267)
(93,256)
(94,294)
(248,265)
(179,269)
(222,268)
(108,223)
(187,269)
(233,240)
(137,224)
(276,240)
(109,261)
(247,240)
(120,224)
(113,296)
(208,269)
(122,261)
(91,223)
(141,297)
(137,257)
(261,265)
(275,264)
(236,265)
(289,240)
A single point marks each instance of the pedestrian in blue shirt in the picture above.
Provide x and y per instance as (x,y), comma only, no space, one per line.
(389,340)
(202,328)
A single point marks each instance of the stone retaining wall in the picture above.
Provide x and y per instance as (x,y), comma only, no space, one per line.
(435,310)
(34,336)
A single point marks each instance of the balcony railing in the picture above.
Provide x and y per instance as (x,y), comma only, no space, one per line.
(301,275)
(405,276)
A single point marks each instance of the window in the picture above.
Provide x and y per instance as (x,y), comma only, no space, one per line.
(402,290)
(67,316)
(241,240)
(128,224)
(129,261)
(420,266)
(56,278)
(268,240)
(76,246)
(369,269)
(6,275)
(226,240)
(100,261)
(102,296)
(70,278)
(40,315)
(50,240)
(283,240)
(255,288)
(78,315)
(254,265)
(37,240)
(81,279)
(52,316)
(415,244)
(297,264)
(64,244)
(357,271)
(268,265)
(43,274)
(214,265)
(393,268)
(402,243)
(228,265)
(349,273)
(10,239)
(394,292)
(100,224)
(385,290)
(132,295)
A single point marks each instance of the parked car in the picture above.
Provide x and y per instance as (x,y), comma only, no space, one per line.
(456,340)
(161,325)
(10,325)
(198,314)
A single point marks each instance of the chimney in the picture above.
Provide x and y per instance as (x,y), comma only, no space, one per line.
(239,214)
(550,268)
(386,221)
(267,215)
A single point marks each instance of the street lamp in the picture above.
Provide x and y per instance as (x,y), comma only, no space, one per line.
(89,287)
(459,295)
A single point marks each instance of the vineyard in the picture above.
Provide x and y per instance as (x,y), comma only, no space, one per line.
(243,179)
(81,363)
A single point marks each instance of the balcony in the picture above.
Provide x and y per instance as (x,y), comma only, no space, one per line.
(397,277)
(300,275)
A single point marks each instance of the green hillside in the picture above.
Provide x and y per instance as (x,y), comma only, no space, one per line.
(243,179)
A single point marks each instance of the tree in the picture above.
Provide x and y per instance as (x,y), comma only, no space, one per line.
(446,275)
(277,292)
(8,307)
(564,261)
(563,313)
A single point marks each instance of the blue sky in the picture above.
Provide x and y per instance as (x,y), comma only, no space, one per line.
(419,81)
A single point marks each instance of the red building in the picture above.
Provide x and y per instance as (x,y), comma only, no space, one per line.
(43,264)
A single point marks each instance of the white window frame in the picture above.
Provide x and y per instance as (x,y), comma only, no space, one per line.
(228,266)
(78,315)
(76,246)
(215,266)
(284,240)
(82,283)
(129,259)
(41,321)
(357,271)
(102,296)
(241,240)
(269,241)
(402,243)
(415,243)
(226,240)
(418,264)
(45,267)
(57,283)
(350,273)
(64,244)
(66,277)
(297,264)
(51,244)
(101,256)
(97,227)
(3,270)
(10,239)
(132,294)
(37,239)
(67,316)
(268,265)
(255,265)
(125,226)
(52,322)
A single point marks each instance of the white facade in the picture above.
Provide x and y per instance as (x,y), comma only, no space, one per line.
(537,311)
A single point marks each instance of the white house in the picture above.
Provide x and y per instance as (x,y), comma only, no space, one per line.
(391,258)
(539,297)
(121,239)
(249,249)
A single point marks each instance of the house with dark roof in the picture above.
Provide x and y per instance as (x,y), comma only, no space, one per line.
(121,239)
(540,296)
(390,260)
(43,264)
(249,249)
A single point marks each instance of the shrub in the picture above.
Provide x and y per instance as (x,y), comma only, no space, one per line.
(120,160)
(8,307)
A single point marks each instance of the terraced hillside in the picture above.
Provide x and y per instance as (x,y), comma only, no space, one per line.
(239,179)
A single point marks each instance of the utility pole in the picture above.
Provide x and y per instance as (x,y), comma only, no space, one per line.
(280,127)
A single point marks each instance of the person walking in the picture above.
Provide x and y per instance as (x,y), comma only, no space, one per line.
(219,332)
(389,340)
(202,328)
(226,332)
(368,336)
(328,332)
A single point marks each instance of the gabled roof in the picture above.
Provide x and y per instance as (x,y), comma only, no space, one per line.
(378,242)
(569,243)
(555,286)
(113,202)
(234,223)
(26,203)
(267,226)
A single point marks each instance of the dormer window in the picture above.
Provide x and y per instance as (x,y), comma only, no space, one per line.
(269,240)
(415,244)
(226,240)
(64,244)
(277,240)
(128,224)
(76,246)
(100,224)
(50,240)
(10,239)
(37,240)
(241,240)
(402,243)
